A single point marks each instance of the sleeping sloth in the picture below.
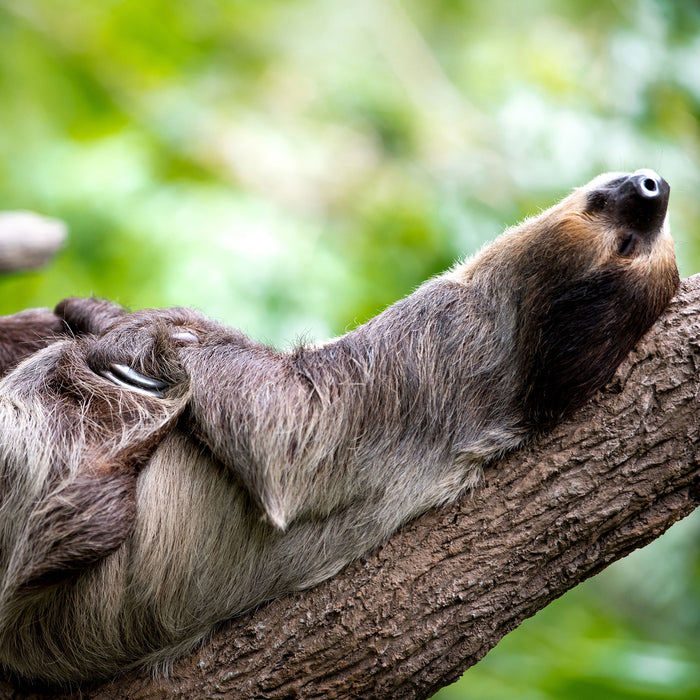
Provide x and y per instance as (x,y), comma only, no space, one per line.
(160,473)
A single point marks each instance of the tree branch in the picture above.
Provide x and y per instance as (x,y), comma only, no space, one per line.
(28,240)
(412,616)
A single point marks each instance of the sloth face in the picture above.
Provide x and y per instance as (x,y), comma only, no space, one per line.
(628,209)
(614,227)
(616,221)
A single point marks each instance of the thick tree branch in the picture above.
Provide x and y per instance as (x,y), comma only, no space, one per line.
(411,617)
(28,240)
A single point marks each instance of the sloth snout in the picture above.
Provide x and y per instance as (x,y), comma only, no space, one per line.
(639,202)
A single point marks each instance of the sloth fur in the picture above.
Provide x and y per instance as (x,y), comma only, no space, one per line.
(133,521)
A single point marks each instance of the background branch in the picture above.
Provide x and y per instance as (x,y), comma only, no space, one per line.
(412,616)
(28,240)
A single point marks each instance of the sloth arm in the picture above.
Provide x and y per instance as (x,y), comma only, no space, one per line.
(306,432)
(247,403)
(258,417)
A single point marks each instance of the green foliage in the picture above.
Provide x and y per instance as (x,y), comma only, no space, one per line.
(291,167)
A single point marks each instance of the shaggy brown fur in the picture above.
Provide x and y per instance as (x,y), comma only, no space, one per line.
(24,333)
(132,521)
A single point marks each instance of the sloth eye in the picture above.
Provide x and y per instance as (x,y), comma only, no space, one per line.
(596,201)
(626,244)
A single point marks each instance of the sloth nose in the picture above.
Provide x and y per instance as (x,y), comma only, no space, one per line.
(647,183)
(639,201)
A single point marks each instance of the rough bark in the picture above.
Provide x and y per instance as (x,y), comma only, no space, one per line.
(411,617)
(28,240)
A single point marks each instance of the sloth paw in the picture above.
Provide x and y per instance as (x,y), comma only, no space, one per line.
(128,378)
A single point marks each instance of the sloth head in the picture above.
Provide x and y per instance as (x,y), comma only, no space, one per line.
(582,282)
(617,220)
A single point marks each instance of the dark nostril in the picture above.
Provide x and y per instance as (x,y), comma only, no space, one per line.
(647,183)
(650,186)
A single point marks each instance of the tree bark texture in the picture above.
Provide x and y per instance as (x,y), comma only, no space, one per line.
(28,240)
(409,618)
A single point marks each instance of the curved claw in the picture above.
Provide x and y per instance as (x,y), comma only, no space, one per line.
(129,378)
(185,337)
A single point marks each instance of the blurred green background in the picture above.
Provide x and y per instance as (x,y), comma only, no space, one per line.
(293,166)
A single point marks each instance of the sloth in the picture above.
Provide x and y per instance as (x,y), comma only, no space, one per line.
(161,473)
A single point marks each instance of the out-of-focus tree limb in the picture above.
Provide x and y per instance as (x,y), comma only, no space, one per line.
(28,240)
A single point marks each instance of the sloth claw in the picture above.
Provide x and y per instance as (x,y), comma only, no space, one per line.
(125,376)
(185,337)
